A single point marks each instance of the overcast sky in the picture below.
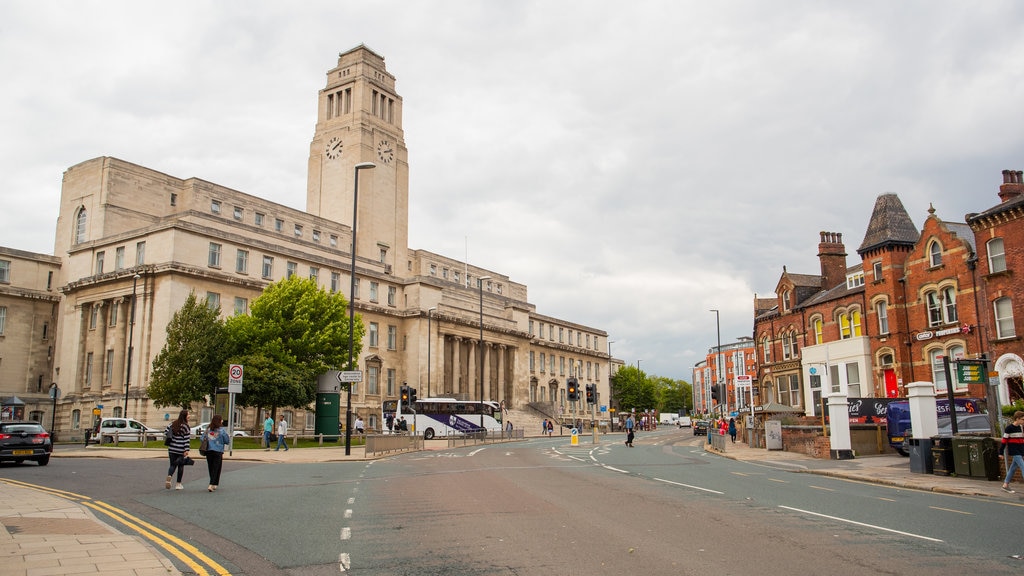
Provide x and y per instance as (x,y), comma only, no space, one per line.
(634,164)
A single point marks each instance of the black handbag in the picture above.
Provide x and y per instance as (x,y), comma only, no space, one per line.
(188,461)
(204,446)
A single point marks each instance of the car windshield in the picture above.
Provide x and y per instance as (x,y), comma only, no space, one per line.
(15,428)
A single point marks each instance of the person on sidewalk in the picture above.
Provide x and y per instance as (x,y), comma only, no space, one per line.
(177,450)
(268,429)
(216,438)
(630,424)
(732,429)
(1013,441)
(282,434)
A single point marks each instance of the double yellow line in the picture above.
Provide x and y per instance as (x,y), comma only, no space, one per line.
(201,564)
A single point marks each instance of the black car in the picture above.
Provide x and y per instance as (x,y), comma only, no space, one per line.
(700,427)
(20,441)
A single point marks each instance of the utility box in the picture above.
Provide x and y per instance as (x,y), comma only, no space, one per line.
(920,455)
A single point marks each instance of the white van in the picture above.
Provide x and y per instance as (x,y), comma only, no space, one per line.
(685,422)
(127,430)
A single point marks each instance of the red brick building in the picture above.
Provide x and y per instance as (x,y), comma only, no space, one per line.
(869,329)
(999,236)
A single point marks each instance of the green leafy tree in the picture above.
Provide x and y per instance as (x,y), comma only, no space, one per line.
(295,331)
(675,395)
(187,368)
(631,388)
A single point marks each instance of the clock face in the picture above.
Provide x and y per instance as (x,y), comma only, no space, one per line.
(333,149)
(385,152)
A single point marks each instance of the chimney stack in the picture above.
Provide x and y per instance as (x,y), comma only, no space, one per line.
(1013,185)
(832,256)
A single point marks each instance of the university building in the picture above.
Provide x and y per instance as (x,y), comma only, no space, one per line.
(917,297)
(132,243)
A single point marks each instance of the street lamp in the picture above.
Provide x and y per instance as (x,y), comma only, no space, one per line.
(131,339)
(352,303)
(480,282)
(718,366)
(430,336)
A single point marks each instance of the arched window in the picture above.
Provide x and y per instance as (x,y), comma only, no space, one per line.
(935,355)
(849,324)
(882,311)
(785,301)
(941,306)
(949,305)
(934,253)
(819,327)
(766,348)
(80,222)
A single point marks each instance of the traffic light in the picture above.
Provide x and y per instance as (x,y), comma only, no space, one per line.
(573,390)
(590,393)
(404,395)
(412,395)
(714,392)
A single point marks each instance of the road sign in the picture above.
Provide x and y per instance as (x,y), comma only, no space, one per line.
(970,371)
(350,376)
(235,372)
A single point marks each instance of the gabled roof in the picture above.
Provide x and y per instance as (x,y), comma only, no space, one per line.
(890,225)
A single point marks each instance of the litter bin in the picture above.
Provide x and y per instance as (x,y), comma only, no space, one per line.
(962,455)
(987,465)
(942,455)
(920,455)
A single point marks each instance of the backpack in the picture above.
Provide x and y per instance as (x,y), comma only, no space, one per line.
(168,435)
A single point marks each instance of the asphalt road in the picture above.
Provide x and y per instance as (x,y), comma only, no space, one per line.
(544,507)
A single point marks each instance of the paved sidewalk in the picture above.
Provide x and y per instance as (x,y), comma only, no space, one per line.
(42,534)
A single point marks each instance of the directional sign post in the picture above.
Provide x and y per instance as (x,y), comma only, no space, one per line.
(350,376)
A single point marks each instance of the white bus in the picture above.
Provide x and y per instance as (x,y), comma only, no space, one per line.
(445,416)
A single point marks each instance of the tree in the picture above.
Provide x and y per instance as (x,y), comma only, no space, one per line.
(631,389)
(187,369)
(674,395)
(295,331)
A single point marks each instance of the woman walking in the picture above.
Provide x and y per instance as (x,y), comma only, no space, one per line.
(216,439)
(177,449)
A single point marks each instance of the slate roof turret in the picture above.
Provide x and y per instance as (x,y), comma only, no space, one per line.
(890,225)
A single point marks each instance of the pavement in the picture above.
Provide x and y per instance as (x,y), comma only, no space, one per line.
(48,533)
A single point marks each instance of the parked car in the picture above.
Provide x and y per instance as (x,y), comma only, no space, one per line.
(20,441)
(700,427)
(200,429)
(127,430)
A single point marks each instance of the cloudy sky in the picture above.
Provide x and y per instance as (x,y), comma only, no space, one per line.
(634,164)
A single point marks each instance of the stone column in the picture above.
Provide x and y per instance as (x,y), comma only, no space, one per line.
(456,364)
(839,427)
(473,379)
(923,418)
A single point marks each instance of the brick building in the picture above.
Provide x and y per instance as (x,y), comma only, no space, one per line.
(999,236)
(734,368)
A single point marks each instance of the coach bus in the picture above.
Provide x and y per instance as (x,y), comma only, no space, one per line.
(445,416)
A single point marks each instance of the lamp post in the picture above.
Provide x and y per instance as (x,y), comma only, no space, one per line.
(54,394)
(131,339)
(718,365)
(480,282)
(352,303)
(430,336)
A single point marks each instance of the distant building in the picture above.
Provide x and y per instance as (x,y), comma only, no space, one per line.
(733,367)
(126,233)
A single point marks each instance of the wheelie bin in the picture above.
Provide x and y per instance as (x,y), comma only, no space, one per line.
(942,455)
(920,455)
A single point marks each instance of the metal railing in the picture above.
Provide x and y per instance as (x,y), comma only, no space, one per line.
(717,440)
(377,444)
(474,438)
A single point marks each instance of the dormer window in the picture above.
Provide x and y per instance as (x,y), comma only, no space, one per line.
(785,301)
(854,280)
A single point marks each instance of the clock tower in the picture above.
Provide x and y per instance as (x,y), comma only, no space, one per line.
(359,119)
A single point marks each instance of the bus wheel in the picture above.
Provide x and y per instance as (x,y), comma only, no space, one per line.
(428,434)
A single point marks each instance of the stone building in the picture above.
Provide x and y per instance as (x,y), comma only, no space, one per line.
(132,243)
